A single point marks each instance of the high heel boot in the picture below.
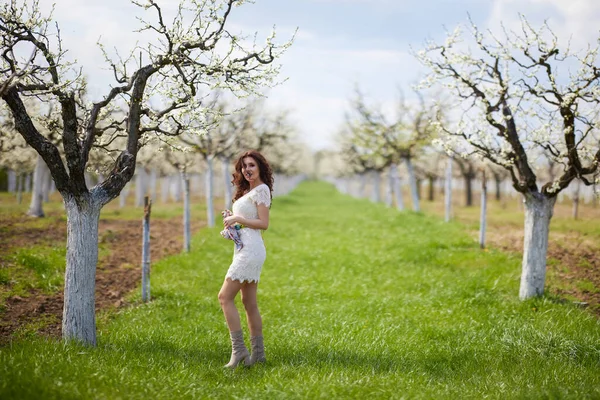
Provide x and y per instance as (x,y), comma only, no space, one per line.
(258,351)
(239,352)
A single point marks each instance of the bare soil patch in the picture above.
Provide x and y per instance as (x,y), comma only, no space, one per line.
(573,259)
(117,274)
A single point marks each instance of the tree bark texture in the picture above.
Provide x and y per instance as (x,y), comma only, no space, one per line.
(538,212)
(79,322)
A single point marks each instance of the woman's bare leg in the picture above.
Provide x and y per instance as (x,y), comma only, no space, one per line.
(249,291)
(227,299)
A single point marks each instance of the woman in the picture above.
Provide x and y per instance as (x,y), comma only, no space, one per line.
(253,179)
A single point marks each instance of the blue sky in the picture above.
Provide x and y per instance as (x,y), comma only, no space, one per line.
(339,43)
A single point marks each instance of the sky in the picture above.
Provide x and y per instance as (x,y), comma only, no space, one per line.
(339,44)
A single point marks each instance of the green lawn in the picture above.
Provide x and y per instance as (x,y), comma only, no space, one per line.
(358,301)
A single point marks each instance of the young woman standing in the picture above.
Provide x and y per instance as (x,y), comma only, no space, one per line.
(253,179)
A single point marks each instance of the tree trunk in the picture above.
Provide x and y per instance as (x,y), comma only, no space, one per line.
(48,186)
(431,194)
(413,185)
(27,185)
(538,212)
(227,182)
(448,191)
(469,190)
(20,179)
(79,322)
(498,183)
(363,185)
(396,187)
(186,212)
(576,191)
(40,178)
(12,181)
(376,194)
(210,212)
(389,188)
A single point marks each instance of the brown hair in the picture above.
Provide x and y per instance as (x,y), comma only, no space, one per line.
(241,184)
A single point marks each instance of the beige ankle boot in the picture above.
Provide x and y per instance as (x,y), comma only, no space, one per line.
(239,352)
(258,351)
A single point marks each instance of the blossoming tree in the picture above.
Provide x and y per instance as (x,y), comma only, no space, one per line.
(153,85)
(521,94)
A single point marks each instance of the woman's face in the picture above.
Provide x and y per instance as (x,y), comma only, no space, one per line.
(250,169)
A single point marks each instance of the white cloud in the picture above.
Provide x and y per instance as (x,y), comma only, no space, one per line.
(574,20)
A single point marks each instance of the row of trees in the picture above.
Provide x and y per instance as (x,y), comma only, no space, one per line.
(161,91)
(515,101)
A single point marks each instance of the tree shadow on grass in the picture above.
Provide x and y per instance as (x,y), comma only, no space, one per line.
(438,366)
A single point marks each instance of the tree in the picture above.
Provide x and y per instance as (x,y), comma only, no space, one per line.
(399,140)
(517,97)
(155,86)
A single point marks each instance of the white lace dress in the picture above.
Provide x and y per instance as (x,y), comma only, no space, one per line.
(247,262)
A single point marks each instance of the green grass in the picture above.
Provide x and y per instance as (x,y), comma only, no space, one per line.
(358,301)
(35,267)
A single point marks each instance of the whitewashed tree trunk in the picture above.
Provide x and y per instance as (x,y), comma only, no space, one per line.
(483,213)
(227,183)
(210,213)
(79,322)
(448,191)
(27,185)
(389,188)
(363,185)
(413,185)
(538,212)
(12,181)
(40,177)
(20,179)
(47,186)
(186,212)
(396,182)
(376,194)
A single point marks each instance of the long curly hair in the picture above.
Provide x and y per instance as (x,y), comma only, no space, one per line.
(241,184)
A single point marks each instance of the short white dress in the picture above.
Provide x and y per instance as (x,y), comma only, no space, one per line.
(247,262)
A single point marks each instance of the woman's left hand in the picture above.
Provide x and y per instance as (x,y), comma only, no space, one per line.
(230,221)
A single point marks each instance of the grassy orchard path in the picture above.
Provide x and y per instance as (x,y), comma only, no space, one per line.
(357,300)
